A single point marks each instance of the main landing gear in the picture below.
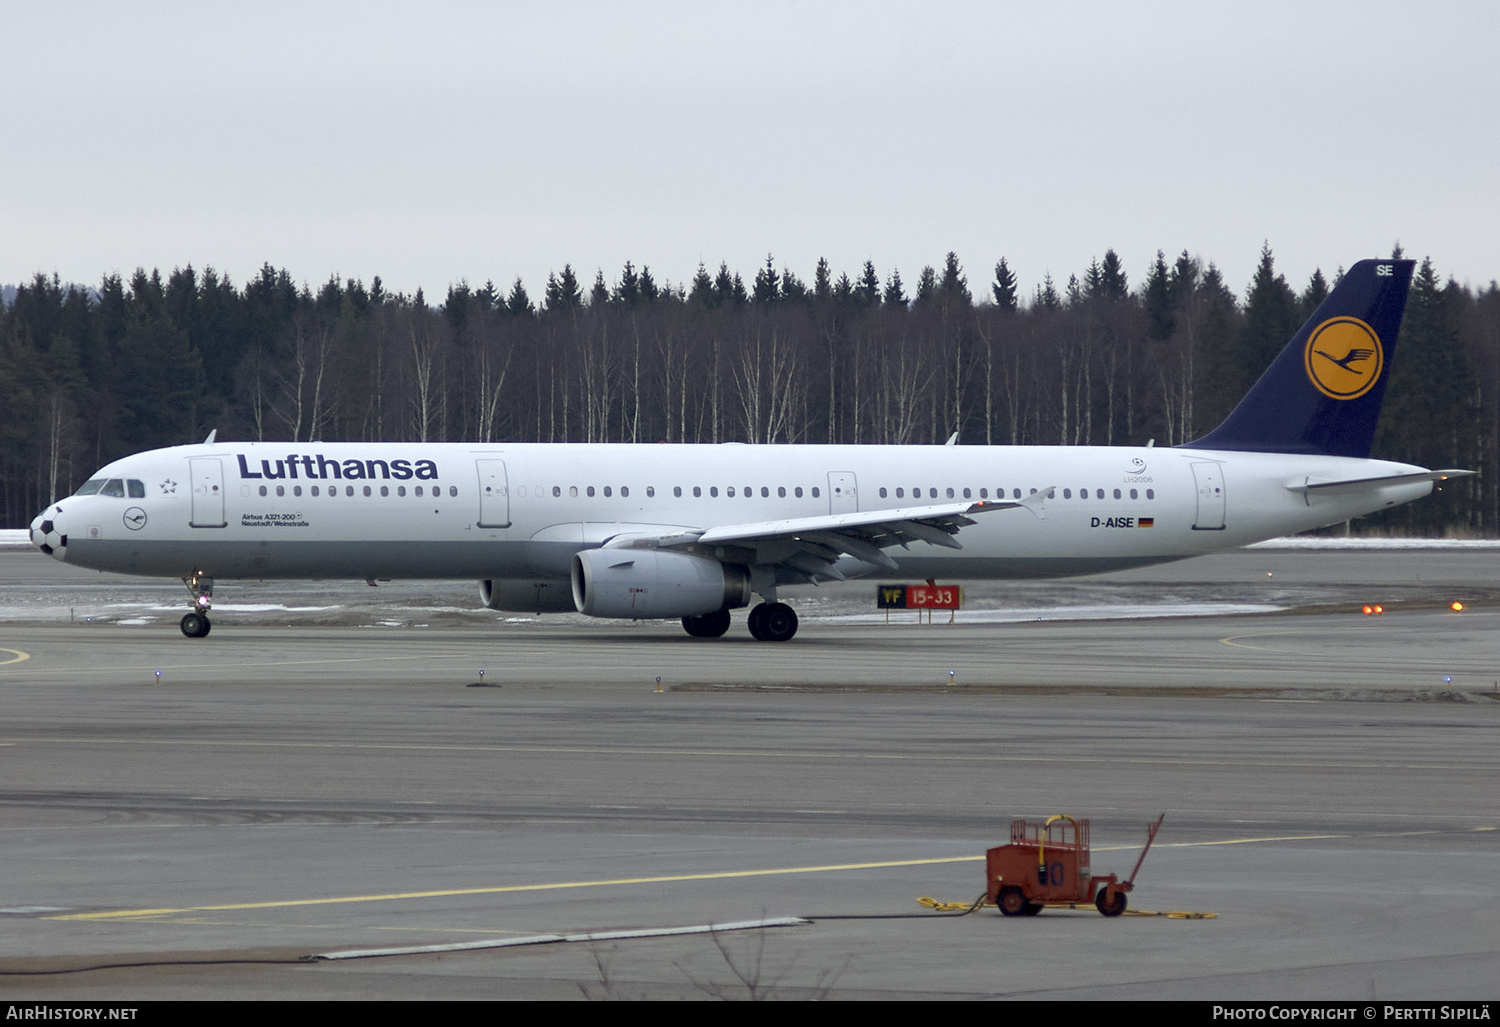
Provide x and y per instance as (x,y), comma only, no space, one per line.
(710,625)
(196,623)
(773,622)
(769,622)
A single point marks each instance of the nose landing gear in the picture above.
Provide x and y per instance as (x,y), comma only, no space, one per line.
(196,624)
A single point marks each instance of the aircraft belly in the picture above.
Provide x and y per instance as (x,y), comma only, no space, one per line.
(289,558)
(1002,568)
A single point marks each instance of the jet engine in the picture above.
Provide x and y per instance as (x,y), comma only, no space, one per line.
(521,595)
(648,583)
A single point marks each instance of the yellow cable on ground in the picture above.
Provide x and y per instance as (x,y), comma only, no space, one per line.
(950,907)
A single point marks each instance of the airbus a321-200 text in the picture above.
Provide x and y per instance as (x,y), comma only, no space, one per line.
(696,531)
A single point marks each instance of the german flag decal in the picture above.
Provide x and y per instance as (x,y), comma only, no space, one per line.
(1146,522)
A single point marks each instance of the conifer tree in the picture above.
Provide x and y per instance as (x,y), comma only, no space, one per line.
(895,294)
(1160,300)
(868,289)
(1004,287)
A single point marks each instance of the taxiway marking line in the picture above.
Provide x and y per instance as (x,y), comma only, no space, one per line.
(124,914)
(148,668)
(18,656)
(777,754)
(131,914)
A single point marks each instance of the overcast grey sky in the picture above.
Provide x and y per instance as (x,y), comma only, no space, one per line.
(429,143)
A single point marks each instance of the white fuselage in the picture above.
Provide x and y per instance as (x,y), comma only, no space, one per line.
(520,511)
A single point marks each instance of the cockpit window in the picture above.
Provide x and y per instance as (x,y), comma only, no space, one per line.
(137,489)
(114,487)
(90,487)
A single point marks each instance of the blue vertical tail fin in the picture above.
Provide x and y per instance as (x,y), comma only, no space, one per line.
(1323,393)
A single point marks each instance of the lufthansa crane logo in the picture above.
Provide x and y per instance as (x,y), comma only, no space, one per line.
(1343,358)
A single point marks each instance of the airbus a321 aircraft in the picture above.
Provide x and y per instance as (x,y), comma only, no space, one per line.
(695,531)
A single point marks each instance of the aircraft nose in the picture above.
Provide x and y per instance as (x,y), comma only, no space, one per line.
(49,535)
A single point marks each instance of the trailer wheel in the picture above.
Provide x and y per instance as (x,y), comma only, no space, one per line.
(1012,902)
(1032,908)
(1107,907)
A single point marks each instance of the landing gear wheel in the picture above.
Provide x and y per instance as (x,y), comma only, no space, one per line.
(1012,901)
(195,625)
(710,625)
(773,622)
(1108,908)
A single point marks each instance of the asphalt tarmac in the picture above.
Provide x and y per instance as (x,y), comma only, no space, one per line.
(324,779)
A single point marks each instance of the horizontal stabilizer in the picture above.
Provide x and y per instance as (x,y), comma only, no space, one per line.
(1343,485)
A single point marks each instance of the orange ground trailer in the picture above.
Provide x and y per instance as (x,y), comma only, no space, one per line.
(1048,862)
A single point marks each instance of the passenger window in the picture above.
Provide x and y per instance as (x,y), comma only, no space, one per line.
(262,490)
(315,490)
(385,490)
(1016,494)
(367,490)
(1117,493)
(137,488)
(281,490)
(677,491)
(729,492)
(749,491)
(588,491)
(967,494)
(1134,494)
(1083,493)
(932,493)
(900,493)
(950,493)
(400,490)
(624,491)
(815,492)
(572,491)
(296,490)
(453,491)
(983,493)
(349,490)
(650,491)
(882,492)
(713,491)
(781,491)
(1067,493)
(1098,493)
(765,493)
(797,492)
(608,491)
(1150,493)
(697,492)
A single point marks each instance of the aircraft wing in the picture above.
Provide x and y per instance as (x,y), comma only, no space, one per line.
(808,547)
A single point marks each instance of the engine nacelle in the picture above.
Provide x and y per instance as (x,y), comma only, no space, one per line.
(648,583)
(521,595)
